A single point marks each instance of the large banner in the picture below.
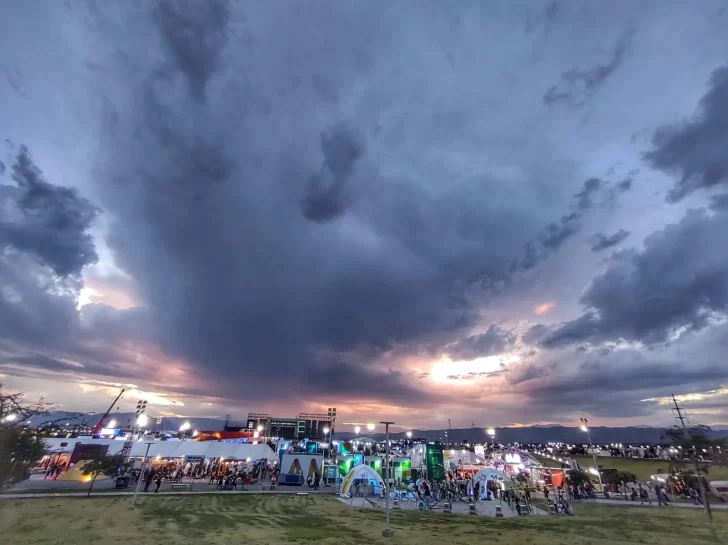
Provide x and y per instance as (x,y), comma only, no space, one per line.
(302,464)
(434,462)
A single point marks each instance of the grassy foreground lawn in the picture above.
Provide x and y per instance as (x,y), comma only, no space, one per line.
(276,519)
(642,468)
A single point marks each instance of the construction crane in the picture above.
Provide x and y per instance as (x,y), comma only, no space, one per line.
(100,424)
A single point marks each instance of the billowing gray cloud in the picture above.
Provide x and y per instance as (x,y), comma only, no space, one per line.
(494,341)
(614,384)
(695,150)
(719,202)
(325,194)
(197,126)
(535,333)
(599,241)
(678,282)
(48,221)
(595,192)
(591,188)
(579,85)
(245,278)
(194,34)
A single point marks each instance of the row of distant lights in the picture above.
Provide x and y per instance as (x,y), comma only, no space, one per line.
(370,427)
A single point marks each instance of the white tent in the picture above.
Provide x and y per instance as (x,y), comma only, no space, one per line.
(174,449)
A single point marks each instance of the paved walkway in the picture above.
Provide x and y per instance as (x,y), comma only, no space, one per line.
(654,504)
(280,490)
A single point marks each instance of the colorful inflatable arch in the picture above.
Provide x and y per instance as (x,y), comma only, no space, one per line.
(358,473)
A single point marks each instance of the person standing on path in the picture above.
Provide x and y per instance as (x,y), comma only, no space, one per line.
(148,480)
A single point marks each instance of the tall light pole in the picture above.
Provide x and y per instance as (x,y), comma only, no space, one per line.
(326,432)
(183,429)
(387,532)
(141,474)
(370,427)
(585,427)
(491,433)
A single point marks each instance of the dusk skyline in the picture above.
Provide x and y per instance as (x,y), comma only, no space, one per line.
(498,213)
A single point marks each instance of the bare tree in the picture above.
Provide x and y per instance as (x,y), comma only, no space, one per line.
(20,449)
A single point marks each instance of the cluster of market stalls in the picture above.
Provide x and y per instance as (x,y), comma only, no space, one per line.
(201,457)
(193,457)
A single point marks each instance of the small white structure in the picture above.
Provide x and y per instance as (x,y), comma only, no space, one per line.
(358,473)
(173,449)
(481,479)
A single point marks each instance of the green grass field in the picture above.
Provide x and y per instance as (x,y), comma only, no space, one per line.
(642,468)
(279,519)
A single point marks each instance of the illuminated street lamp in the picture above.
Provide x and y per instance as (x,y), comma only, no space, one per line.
(585,428)
(357,429)
(11,418)
(409,435)
(326,432)
(184,427)
(491,433)
(142,420)
(370,427)
(112,424)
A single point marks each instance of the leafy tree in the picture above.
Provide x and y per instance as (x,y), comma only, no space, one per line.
(577,478)
(622,477)
(109,466)
(19,452)
(19,449)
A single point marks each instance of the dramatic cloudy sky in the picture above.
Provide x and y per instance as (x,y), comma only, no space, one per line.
(495,212)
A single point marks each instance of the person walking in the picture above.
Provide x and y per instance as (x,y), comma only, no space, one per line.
(644,496)
(426,495)
(148,480)
(158,481)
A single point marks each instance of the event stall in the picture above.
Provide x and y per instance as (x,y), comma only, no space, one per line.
(364,480)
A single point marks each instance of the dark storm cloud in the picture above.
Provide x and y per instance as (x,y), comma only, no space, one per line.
(678,281)
(601,242)
(194,34)
(595,192)
(535,333)
(29,311)
(696,150)
(586,195)
(325,194)
(241,283)
(494,341)
(547,242)
(610,385)
(47,221)
(578,85)
(719,202)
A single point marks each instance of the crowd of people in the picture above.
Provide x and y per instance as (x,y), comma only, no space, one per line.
(223,476)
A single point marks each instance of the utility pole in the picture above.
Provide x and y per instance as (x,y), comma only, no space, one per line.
(141,474)
(387,532)
(681,416)
(585,427)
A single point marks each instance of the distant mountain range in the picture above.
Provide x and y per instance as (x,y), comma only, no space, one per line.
(69,419)
(634,435)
